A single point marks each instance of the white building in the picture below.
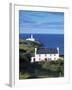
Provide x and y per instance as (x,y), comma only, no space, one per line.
(45,54)
(31,38)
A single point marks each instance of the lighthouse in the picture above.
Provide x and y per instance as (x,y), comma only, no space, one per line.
(31,38)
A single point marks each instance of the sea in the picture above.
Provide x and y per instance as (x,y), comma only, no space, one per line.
(48,40)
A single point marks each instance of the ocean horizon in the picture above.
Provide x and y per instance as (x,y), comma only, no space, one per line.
(48,40)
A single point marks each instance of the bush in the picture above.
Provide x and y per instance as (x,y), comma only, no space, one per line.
(44,69)
(24,75)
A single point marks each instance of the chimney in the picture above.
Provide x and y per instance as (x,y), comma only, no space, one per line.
(35,51)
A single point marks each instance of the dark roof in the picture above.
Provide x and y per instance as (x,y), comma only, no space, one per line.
(47,51)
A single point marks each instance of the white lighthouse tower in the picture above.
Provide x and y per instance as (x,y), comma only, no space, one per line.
(31,36)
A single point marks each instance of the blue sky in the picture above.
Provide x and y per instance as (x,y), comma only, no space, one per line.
(41,22)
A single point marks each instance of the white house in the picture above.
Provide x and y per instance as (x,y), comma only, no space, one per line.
(31,38)
(45,54)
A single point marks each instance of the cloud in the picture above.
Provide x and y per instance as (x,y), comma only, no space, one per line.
(53,23)
(38,21)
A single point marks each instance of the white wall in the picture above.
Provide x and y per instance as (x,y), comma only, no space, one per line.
(42,57)
(4,43)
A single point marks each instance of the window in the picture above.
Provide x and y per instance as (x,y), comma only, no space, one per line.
(54,58)
(45,59)
(39,58)
(49,59)
(50,54)
(34,59)
(45,54)
(39,55)
(54,54)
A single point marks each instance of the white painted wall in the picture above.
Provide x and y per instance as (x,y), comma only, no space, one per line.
(41,57)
